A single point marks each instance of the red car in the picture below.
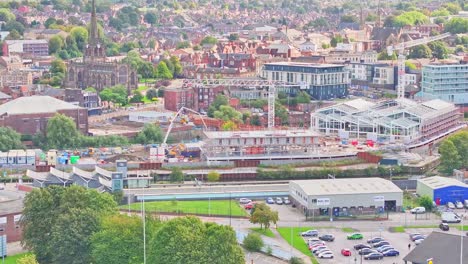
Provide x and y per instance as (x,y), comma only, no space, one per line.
(249,206)
(346,252)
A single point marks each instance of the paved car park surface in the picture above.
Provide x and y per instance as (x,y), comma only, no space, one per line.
(399,241)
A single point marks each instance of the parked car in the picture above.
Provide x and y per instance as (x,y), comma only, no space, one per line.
(450,217)
(391,253)
(286,201)
(279,200)
(312,233)
(418,237)
(244,201)
(459,205)
(313,239)
(374,240)
(318,249)
(326,255)
(413,235)
(315,245)
(327,237)
(249,206)
(466,204)
(418,241)
(384,248)
(270,200)
(450,205)
(361,246)
(375,255)
(381,243)
(346,252)
(366,251)
(318,252)
(444,227)
(418,210)
(355,236)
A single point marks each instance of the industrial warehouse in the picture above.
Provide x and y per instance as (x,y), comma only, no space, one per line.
(345,197)
(399,120)
(442,189)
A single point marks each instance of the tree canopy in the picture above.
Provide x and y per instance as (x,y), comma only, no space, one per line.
(189,240)
(163,72)
(420,51)
(228,113)
(457,25)
(150,134)
(263,215)
(116,94)
(62,132)
(9,139)
(410,18)
(209,40)
(58,222)
(217,103)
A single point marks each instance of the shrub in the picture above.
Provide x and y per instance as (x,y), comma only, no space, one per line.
(296,260)
(253,242)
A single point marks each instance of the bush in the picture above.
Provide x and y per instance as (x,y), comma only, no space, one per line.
(213,176)
(253,242)
(296,260)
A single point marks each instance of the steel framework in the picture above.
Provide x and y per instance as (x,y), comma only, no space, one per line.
(400,48)
(247,83)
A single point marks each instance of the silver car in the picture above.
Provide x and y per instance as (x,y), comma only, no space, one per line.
(450,205)
(459,205)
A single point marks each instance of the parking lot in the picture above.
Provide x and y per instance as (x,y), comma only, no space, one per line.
(399,241)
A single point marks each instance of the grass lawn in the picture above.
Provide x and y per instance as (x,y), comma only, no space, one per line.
(214,207)
(348,230)
(297,241)
(149,80)
(262,231)
(14,258)
(142,88)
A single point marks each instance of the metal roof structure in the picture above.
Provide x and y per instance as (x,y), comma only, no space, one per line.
(34,105)
(260,134)
(437,182)
(347,186)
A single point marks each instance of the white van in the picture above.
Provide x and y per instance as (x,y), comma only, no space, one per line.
(466,204)
(449,217)
(418,210)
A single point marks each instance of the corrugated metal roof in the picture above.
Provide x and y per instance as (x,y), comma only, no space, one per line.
(437,182)
(347,186)
(34,105)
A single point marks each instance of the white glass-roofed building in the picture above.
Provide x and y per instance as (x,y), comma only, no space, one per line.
(387,121)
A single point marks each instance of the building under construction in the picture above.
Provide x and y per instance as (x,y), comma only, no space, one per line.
(391,121)
(260,145)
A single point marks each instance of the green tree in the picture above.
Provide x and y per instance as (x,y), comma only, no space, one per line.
(9,139)
(175,61)
(349,19)
(151,93)
(56,43)
(14,25)
(150,134)
(183,45)
(116,94)
(439,49)
(384,56)
(296,260)
(449,157)
(440,12)
(146,69)
(282,113)
(263,215)
(6,15)
(163,72)
(410,18)
(57,66)
(457,25)
(80,36)
(188,239)
(50,21)
(420,51)
(27,259)
(176,175)
(460,140)
(228,113)
(111,243)
(151,18)
(233,37)
(335,40)
(410,65)
(209,40)
(217,103)
(253,242)
(452,8)
(62,132)
(255,120)
(426,202)
(303,98)
(213,176)
(58,222)
(137,97)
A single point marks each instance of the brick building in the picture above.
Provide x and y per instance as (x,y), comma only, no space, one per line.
(34,47)
(87,99)
(29,115)
(174,99)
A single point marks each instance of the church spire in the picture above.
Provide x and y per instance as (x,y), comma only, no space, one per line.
(93,36)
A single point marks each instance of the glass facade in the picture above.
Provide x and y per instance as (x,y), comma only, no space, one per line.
(446,82)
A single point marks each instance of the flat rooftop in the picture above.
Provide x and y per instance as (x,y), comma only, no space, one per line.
(260,134)
(305,64)
(347,186)
(440,182)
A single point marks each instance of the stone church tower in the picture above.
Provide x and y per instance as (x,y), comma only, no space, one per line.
(94,69)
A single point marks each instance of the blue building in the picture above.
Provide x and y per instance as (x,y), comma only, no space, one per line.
(448,82)
(442,189)
(321,81)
